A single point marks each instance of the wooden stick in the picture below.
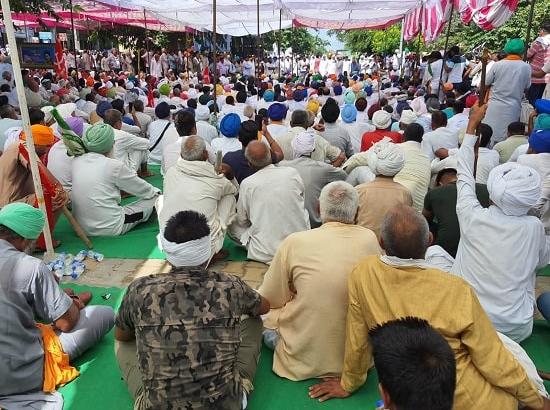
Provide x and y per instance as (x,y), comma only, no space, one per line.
(483,86)
(77,228)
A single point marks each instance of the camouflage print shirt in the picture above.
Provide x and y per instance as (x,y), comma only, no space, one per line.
(187,337)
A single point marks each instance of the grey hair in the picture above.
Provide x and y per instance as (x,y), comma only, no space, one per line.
(192,148)
(255,162)
(338,202)
(405,233)
(112,116)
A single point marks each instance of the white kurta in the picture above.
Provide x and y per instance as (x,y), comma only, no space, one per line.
(270,207)
(416,173)
(97,182)
(61,165)
(508,81)
(487,159)
(130,150)
(226,145)
(442,137)
(154,131)
(498,254)
(194,185)
(206,131)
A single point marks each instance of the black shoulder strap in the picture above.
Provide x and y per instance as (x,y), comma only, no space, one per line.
(159,138)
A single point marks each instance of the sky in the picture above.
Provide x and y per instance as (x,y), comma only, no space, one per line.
(335,44)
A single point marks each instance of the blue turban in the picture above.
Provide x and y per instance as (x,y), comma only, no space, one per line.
(102,107)
(298,95)
(539,141)
(368,90)
(337,90)
(269,96)
(348,113)
(276,111)
(230,125)
(542,106)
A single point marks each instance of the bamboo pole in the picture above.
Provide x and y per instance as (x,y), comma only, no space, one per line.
(214,46)
(148,68)
(529,26)
(8,25)
(446,45)
(279,40)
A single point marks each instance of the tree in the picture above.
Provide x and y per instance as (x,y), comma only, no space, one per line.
(370,41)
(35,6)
(300,39)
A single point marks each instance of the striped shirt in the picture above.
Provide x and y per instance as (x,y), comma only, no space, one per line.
(538,54)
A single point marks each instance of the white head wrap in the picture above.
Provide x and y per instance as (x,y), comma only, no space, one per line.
(408,117)
(386,158)
(66,110)
(303,143)
(381,119)
(202,113)
(192,253)
(514,188)
(47,110)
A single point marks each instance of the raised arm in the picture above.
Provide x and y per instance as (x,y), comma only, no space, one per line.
(466,200)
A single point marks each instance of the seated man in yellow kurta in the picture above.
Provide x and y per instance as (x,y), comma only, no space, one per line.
(401,284)
(306,285)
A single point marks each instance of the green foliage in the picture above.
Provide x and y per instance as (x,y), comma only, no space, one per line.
(470,36)
(35,6)
(370,41)
(300,39)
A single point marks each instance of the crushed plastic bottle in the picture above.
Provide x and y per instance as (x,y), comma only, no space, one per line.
(77,269)
(96,256)
(380,405)
(80,256)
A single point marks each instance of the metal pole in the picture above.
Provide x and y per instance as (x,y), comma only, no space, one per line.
(148,68)
(19,87)
(73,31)
(214,44)
(258,43)
(529,26)
(446,43)
(279,40)
(401,61)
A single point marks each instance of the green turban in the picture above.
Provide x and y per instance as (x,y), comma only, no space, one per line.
(349,97)
(514,46)
(542,122)
(164,89)
(23,219)
(99,138)
(111,93)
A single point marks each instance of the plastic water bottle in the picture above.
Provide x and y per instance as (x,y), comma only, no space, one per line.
(77,269)
(80,256)
(380,405)
(96,256)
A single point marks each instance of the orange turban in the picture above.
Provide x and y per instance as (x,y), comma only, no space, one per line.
(90,81)
(41,135)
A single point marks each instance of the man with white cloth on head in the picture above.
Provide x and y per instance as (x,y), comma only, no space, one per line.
(270,207)
(505,284)
(314,174)
(193,184)
(204,129)
(385,159)
(190,337)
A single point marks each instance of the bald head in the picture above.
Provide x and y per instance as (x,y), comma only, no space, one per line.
(405,233)
(258,154)
(194,149)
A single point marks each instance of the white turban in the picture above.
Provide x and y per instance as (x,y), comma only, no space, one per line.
(303,143)
(47,110)
(385,158)
(202,113)
(407,117)
(381,119)
(191,253)
(66,110)
(514,188)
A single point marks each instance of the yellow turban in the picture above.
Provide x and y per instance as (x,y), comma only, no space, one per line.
(313,106)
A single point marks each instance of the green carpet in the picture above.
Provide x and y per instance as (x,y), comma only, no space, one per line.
(544,271)
(139,243)
(100,387)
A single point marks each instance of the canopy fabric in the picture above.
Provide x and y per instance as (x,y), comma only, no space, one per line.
(431,17)
(239,17)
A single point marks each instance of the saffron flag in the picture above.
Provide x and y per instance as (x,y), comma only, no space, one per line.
(60,64)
